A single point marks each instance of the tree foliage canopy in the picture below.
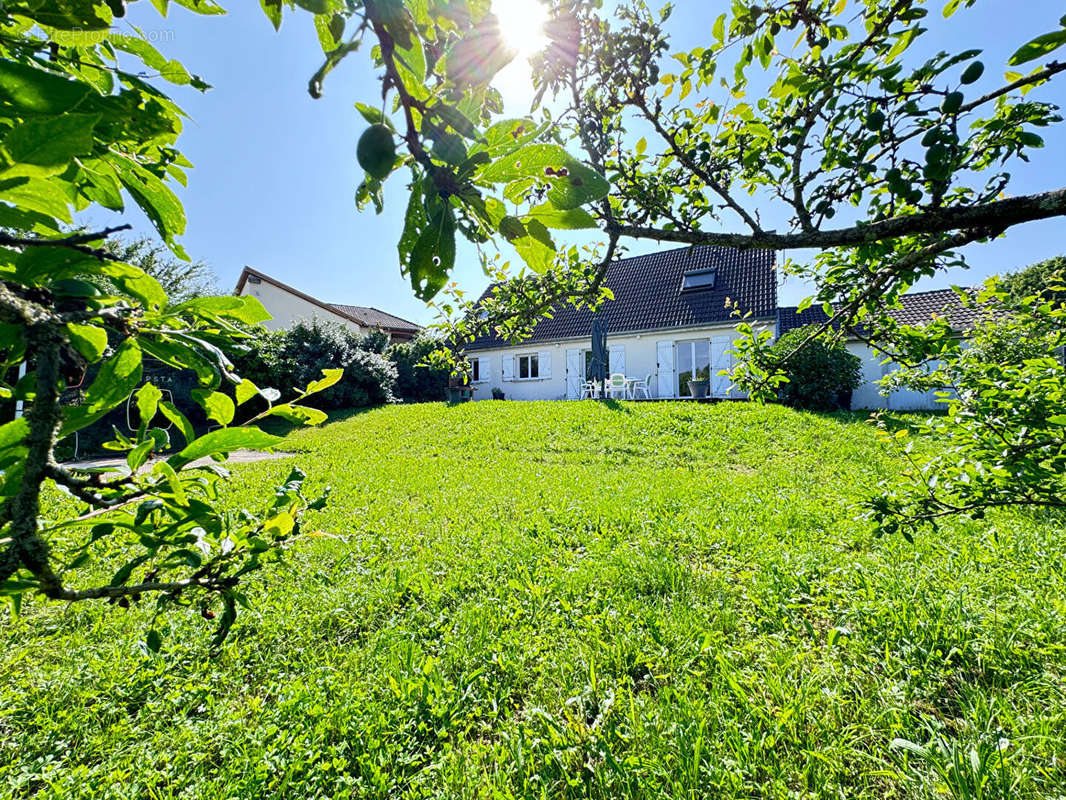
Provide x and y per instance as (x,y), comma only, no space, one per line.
(815,109)
(1004,433)
(81,125)
(1035,279)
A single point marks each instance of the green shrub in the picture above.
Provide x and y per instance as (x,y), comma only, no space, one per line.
(284,359)
(1033,281)
(821,376)
(416,383)
(376,341)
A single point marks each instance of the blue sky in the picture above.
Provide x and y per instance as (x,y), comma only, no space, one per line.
(275,171)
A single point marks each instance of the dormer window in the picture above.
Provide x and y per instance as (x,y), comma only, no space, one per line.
(698,279)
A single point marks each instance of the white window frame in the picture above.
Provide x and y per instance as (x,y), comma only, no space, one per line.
(481,365)
(518,366)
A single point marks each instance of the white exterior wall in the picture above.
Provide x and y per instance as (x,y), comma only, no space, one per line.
(868,395)
(639,351)
(287,308)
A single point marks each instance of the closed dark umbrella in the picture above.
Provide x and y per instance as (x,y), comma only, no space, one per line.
(599,350)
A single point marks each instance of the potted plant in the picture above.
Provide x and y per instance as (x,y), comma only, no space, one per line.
(698,387)
(497,393)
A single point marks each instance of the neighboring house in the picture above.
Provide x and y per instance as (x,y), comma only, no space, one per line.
(288,306)
(669,319)
(918,308)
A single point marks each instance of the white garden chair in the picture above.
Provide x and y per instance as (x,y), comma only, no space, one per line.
(590,390)
(617,386)
(640,386)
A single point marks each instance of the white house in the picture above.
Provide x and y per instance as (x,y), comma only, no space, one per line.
(672,316)
(667,322)
(287,306)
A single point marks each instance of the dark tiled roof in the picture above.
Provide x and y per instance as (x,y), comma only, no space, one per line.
(375,318)
(917,309)
(648,296)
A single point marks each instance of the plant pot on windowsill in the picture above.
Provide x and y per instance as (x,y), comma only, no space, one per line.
(699,389)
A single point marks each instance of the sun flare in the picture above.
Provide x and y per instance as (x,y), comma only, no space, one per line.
(522,25)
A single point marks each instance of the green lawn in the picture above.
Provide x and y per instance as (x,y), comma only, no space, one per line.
(570,600)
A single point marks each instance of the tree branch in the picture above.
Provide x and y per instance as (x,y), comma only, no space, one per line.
(76,241)
(997,215)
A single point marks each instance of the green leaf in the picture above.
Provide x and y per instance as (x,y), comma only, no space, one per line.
(28,90)
(1040,46)
(571,219)
(718,29)
(324,28)
(373,115)
(245,391)
(156,200)
(36,195)
(51,142)
(13,433)
(103,186)
(272,8)
(536,248)
(205,7)
(224,440)
(169,69)
(572,183)
(139,454)
(148,397)
(413,224)
(330,377)
(135,282)
(173,481)
(245,309)
(217,405)
(153,641)
(88,340)
(455,120)
(299,414)
(509,134)
(433,255)
(171,412)
(412,60)
(117,378)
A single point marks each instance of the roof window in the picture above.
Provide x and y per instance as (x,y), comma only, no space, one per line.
(698,279)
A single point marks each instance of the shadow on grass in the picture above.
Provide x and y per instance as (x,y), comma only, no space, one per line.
(279,426)
(893,420)
(615,405)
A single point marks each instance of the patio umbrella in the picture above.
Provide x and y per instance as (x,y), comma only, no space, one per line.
(599,350)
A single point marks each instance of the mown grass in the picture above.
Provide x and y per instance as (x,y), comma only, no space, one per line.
(571,600)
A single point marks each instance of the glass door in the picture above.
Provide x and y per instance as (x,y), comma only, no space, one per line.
(693,363)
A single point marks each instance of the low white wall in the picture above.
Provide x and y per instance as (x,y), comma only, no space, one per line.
(287,309)
(868,395)
(640,353)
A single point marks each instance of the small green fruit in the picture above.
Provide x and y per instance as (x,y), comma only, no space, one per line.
(875,121)
(973,72)
(376,151)
(952,103)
